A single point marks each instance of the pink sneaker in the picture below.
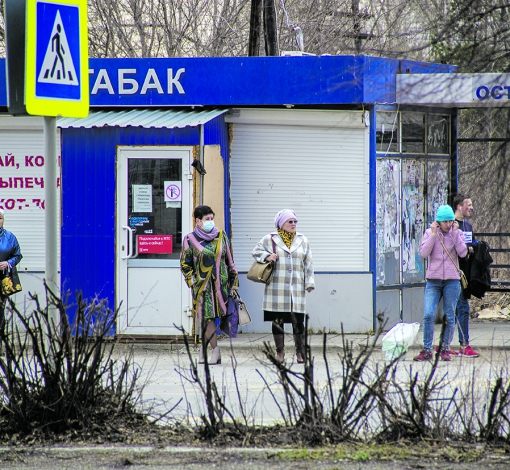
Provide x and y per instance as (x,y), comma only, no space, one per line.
(450,351)
(423,356)
(445,356)
(468,351)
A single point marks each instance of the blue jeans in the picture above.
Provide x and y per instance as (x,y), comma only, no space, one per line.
(434,290)
(462,315)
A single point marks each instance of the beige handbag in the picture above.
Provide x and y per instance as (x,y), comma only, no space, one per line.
(262,272)
(242,312)
(244,315)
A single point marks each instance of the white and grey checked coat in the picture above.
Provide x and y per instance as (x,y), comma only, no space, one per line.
(292,276)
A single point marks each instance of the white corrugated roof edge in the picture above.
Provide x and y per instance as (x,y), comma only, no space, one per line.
(169,118)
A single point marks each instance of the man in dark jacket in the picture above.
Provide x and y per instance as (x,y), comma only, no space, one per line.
(463,209)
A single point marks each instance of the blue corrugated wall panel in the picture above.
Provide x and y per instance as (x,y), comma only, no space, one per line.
(88,199)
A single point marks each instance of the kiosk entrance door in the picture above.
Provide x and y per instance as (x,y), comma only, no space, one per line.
(153,213)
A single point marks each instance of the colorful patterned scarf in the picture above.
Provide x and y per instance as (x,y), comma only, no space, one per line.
(287,237)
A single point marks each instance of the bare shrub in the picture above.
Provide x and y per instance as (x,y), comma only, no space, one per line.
(219,417)
(496,425)
(417,408)
(343,408)
(369,399)
(59,379)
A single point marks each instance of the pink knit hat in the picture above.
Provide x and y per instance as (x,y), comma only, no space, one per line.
(283,216)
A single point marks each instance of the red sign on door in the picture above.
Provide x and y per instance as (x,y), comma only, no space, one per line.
(149,244)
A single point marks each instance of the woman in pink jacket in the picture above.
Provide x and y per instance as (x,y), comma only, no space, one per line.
(443,278)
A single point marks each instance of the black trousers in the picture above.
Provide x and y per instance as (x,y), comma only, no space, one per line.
(279,318)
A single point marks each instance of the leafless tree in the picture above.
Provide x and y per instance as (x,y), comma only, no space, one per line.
(157,28)
(473,34)
(198,28)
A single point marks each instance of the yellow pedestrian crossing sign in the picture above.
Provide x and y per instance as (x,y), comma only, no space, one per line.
(56,69)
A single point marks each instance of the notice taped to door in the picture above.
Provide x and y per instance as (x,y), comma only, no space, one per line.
(151,244)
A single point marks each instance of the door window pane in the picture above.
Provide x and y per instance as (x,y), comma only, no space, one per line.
(437,187)
(152,217)
(386,133)
(438,134)
(413,133)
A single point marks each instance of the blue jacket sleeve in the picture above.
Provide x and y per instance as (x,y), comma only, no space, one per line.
(15,255)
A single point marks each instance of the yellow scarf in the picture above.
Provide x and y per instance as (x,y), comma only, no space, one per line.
(287,237)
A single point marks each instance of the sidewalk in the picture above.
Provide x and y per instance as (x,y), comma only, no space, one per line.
(483,336)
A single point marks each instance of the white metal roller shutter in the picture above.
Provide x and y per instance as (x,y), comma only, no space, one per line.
(24,138)
(320,172)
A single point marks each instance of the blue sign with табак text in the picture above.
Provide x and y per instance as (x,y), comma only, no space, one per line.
(245,81)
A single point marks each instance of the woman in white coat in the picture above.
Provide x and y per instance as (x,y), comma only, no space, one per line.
(284,297)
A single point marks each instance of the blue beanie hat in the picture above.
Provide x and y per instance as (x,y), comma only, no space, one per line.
(445,213)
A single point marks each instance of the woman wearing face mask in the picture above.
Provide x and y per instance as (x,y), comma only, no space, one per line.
(443,278)
(10,256)
(284,296)
(209,270)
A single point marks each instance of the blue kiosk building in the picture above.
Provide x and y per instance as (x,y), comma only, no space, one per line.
(323,136)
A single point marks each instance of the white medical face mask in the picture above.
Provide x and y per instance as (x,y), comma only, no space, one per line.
(208,225)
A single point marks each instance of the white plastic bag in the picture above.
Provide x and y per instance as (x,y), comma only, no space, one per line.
(396,341)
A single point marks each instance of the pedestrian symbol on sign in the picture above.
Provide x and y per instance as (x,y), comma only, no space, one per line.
(58,67)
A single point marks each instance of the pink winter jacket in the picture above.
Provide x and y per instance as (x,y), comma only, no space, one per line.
(440,265)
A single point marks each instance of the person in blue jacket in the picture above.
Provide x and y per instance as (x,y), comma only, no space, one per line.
(10,256)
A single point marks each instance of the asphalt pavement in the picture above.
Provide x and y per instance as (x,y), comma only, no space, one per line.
(166,367)
(484,335)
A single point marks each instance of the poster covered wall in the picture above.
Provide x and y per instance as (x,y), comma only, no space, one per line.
(413,219)
(409,191)
(388,222)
